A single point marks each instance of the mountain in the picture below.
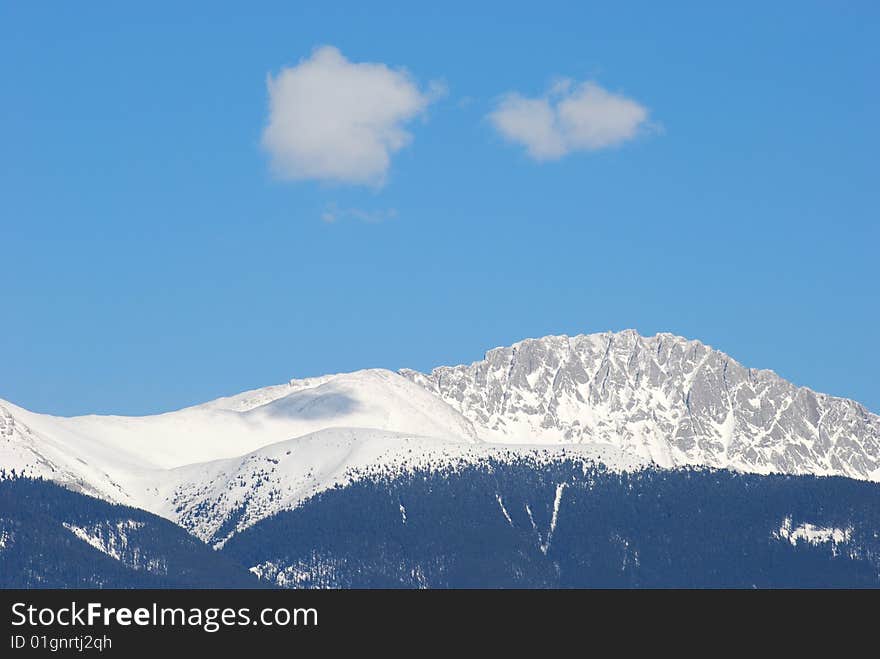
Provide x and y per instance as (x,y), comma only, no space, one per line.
(51,537)
(665,398)
(217,499)
(125,459)
(232,426)
(618,399)
(218,467)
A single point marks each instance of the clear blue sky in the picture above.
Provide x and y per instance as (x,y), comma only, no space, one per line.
(150,259)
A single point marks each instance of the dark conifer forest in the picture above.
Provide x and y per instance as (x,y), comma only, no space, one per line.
(490,525)
(40,548)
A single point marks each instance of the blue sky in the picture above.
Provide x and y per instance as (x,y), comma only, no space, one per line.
(154,257)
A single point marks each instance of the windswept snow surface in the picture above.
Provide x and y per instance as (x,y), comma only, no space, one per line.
(110,455)
(233,426)
(616,398)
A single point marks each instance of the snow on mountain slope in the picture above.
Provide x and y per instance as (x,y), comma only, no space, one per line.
(227,427)
(117,458)
(38,445)
(665,398)
(216,499)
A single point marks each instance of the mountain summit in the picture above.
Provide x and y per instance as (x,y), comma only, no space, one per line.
(664,398)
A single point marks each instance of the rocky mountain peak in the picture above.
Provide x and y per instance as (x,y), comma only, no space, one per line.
(666,398)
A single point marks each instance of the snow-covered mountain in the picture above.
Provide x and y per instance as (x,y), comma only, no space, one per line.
(214,500)
(665,398)
(116,457)
(617,399)
(218,467)
(230,427)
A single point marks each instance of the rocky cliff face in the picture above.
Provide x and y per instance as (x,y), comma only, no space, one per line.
(665,398)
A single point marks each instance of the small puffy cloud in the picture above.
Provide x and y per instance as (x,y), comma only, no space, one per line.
(331,119)
(569,117)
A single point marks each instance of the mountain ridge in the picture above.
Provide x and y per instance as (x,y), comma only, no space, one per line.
(614,397)
(673,400)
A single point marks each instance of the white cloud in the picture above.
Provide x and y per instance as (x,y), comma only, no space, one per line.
(582,117)
(335,120)
(333,213)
